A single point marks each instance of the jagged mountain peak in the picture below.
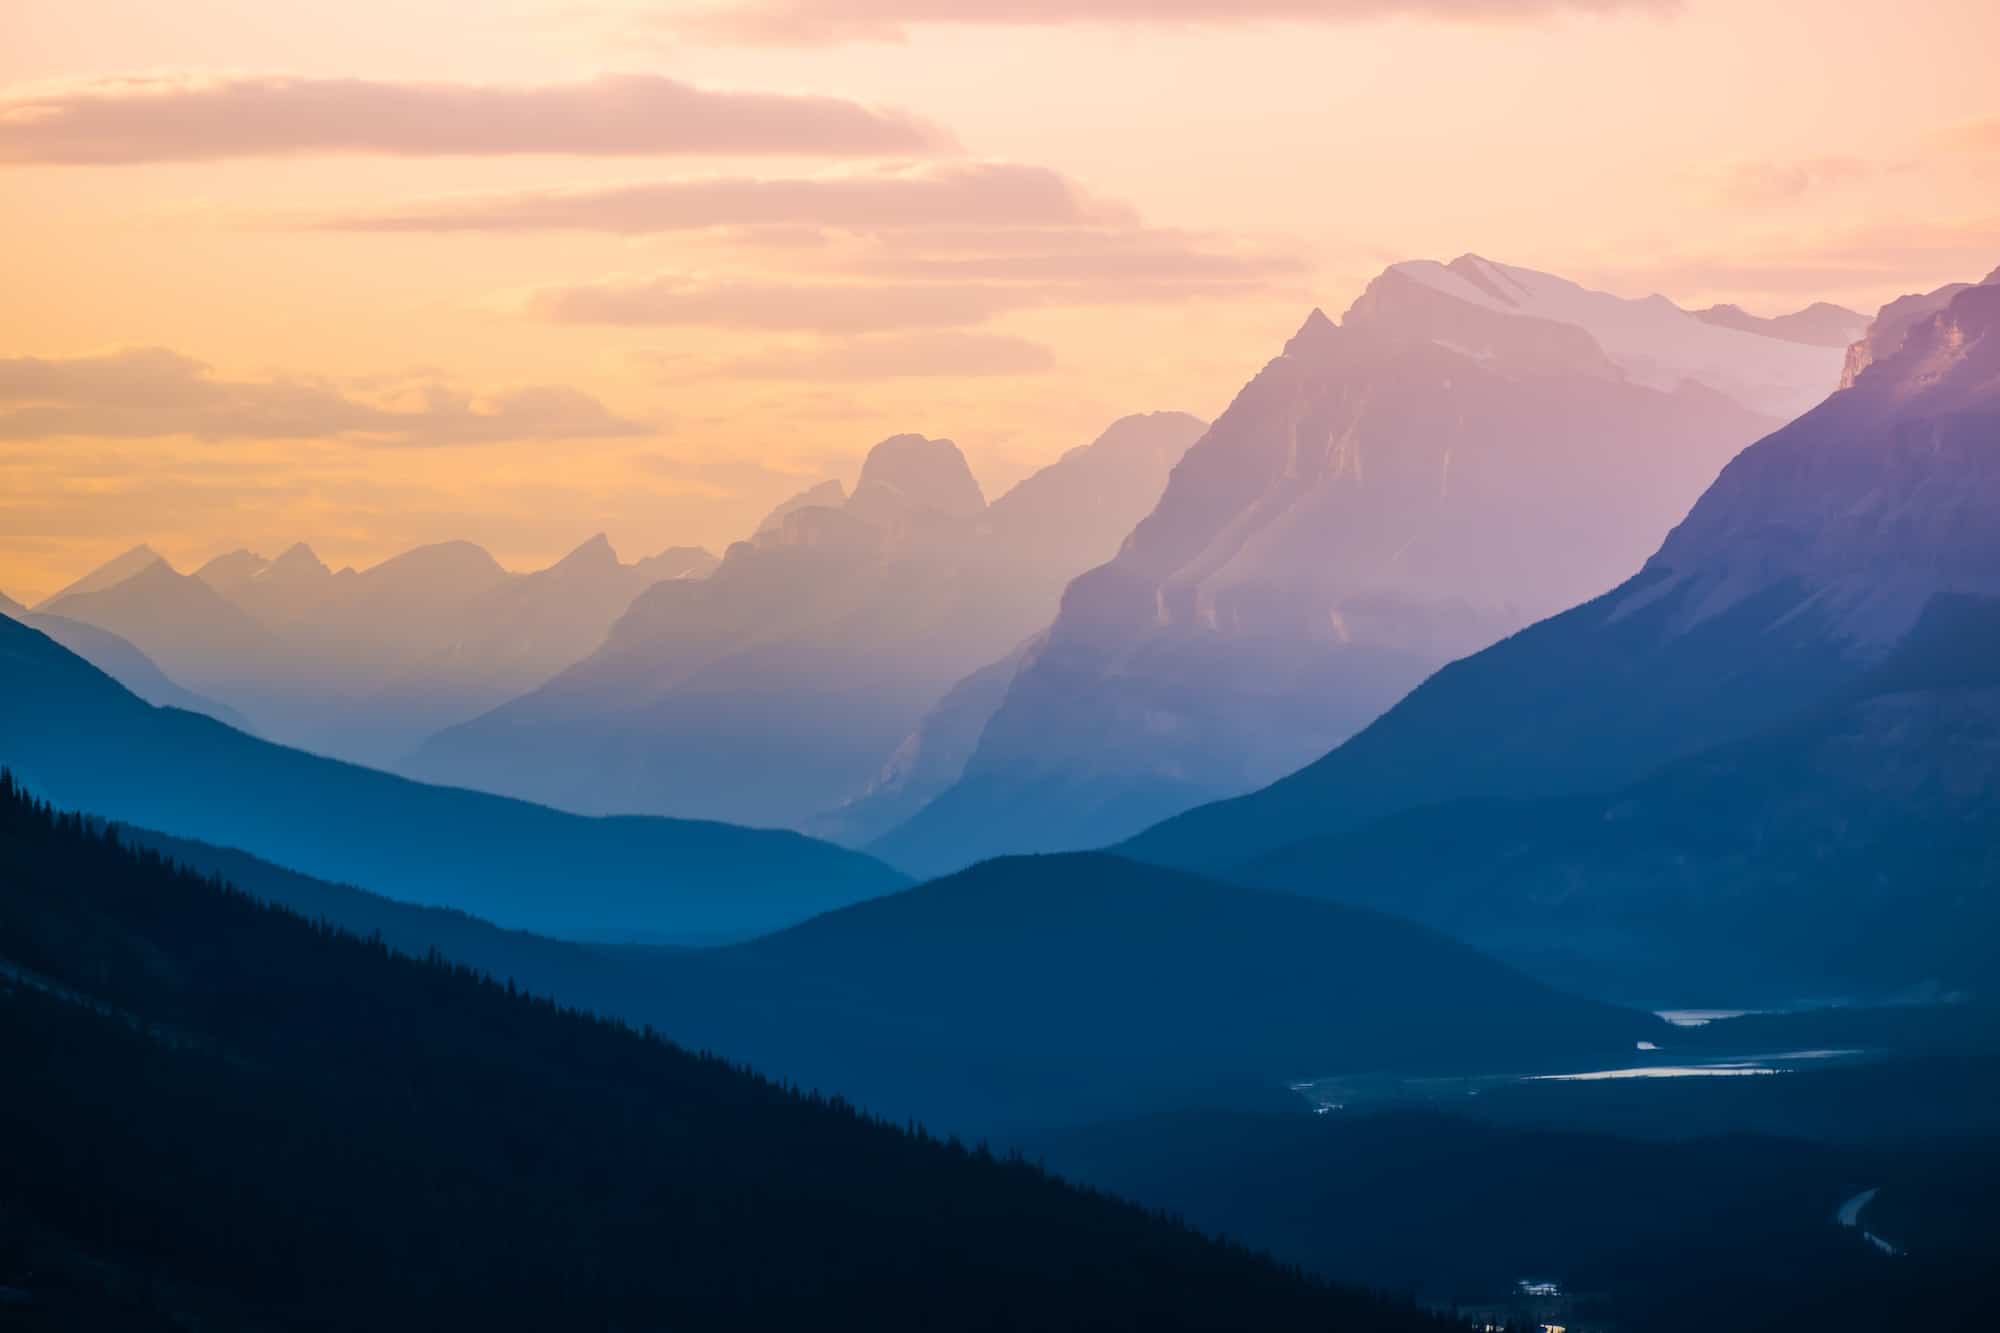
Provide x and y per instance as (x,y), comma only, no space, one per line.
(109,574)
(596,554)
(926,473)
(1877,500)
(296,563)
(1317,331)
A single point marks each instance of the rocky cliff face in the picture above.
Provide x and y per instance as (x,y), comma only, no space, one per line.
(1804,566)
(775,690)
(1471,447)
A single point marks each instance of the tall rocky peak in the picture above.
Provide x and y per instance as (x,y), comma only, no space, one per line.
(595,556)
(916,473)
(1880,498)
(109,574)
(298,564)
(1400,304)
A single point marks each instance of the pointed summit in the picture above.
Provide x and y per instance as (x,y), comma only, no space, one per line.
(594,555)
(1317,331)
(109,574)
(297,565)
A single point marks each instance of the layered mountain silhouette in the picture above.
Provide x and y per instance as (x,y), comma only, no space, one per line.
(1821,324)
(1771,751)
(242,1120)
(774,690)
(1472,447)
(1151,990)
(364,664)
(78,737)
(120,660)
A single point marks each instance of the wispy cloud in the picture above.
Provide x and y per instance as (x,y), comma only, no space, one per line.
(185,119)
(987,194)
(812,22)
(153,392)
(943,354)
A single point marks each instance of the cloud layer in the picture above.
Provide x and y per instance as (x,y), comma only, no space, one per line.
(808,22)
(203,119)
(153,392)
(987,194)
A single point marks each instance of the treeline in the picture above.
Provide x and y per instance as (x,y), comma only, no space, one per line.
(221,1115)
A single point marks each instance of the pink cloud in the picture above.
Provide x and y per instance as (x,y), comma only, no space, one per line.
(948,194)
(152,392)
(809,22)
(197,119)
(945,353)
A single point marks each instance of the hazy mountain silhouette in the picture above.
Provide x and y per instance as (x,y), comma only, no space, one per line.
(1450,461)
(191,631)
(118,659)
(930,759)
(79,738)
(1819,633)
(777,688)
(1821,324)
(477,1158)
(364,664)
(1034,990)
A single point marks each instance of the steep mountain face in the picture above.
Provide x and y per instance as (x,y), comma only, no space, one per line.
(364,664)
(108,575)
(76,737)
(181,623)
(1449,462)
(118,659)
(1821,324)
(1822,557)
(930,759)
(477,1158)
(772,691)
(1849,853)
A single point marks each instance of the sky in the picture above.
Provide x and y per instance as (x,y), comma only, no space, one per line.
(370,274)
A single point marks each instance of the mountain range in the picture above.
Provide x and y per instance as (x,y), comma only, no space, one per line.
(775,690)
(363,664)
(1771,753)
(1472,447)
(243,1120)
(78,737)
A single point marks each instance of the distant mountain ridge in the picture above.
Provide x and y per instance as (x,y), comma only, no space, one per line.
(77,737)
(1821,324)
(776,689)
(1471,447)
(363,664)
(475,1157)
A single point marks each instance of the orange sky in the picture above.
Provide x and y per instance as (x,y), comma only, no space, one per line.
(373,274)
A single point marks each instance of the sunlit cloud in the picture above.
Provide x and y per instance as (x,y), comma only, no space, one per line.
(946,353)
(811,22)
(986,194)
(152,392)
(186,119)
